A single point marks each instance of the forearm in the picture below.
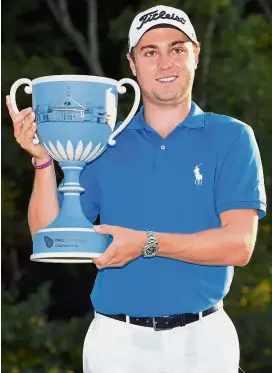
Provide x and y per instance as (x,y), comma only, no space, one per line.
(43,205)
(219,247)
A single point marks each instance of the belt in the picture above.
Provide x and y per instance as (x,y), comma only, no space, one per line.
(165,322)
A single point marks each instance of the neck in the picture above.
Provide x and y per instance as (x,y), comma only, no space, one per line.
(164,118)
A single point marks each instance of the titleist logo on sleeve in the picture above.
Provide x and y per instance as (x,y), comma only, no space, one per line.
(152,16)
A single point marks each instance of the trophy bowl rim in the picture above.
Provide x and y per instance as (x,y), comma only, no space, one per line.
(74,77)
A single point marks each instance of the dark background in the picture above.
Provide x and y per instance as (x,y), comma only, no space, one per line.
(46,307)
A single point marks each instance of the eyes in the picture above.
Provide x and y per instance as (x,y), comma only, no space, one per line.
(175,51)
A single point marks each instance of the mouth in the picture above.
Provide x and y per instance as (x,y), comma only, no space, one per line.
(167,79)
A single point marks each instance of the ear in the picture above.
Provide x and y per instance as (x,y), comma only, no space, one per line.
(131,64)
(196,53)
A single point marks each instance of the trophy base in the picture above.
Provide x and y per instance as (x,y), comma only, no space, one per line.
(74,257)
(68,245)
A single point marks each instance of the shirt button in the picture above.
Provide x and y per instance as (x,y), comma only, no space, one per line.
(162,147)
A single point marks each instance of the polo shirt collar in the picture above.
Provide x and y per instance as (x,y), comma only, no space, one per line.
(195,119)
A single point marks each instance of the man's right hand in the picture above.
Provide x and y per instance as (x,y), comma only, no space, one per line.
(24,130)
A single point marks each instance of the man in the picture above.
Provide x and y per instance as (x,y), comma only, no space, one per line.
(181,194)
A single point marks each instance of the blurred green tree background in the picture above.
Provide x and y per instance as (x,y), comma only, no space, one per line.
(46,308)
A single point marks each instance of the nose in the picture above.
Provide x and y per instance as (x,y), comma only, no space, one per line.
(165,62)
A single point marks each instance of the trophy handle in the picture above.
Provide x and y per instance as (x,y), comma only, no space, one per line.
(28,90)
(122,90)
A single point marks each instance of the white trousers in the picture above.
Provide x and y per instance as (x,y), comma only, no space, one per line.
(209,345)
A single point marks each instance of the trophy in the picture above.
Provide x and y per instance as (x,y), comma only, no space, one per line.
(75,116)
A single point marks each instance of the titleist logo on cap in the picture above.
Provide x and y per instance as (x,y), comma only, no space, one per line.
(152,16)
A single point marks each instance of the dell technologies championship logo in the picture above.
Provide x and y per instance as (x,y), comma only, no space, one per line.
(152,16)
(48,241)
(63,242)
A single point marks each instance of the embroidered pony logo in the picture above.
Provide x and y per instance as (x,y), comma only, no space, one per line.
(198,175)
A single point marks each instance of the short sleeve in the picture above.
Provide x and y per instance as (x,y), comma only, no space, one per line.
(240,182)
(90,198)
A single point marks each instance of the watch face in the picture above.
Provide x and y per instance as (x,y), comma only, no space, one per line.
(151,250)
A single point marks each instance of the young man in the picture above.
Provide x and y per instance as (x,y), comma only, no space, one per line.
(181,194)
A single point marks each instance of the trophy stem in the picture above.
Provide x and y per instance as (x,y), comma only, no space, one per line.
(71,214)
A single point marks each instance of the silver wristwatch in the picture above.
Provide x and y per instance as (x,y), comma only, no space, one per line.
(151,247)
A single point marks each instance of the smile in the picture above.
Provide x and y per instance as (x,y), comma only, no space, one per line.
(167,80)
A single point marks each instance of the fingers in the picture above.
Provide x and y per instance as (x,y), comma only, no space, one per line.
(103,261)
(25,133)
(26,142)
(22,122)
(11,112)
(114,262)
(108,256)
(25,116)
(105,229)
(111,258)
(21,116)
(25,126)
(24,130)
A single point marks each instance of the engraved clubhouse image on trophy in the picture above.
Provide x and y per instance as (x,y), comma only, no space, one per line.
(75,116)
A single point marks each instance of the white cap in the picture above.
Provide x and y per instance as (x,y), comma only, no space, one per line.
(158,15)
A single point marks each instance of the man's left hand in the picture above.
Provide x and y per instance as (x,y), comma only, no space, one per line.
(125,247)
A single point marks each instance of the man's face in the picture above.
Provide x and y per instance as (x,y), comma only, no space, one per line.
(164,64)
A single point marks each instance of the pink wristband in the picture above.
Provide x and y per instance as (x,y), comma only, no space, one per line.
(41,166)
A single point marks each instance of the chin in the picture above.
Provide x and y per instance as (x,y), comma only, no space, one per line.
(168,99)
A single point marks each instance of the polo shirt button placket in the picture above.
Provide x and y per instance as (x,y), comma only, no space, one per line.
(163,147)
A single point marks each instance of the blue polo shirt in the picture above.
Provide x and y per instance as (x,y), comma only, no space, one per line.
(179,184)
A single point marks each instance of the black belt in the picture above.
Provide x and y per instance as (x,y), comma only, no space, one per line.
(165,322)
